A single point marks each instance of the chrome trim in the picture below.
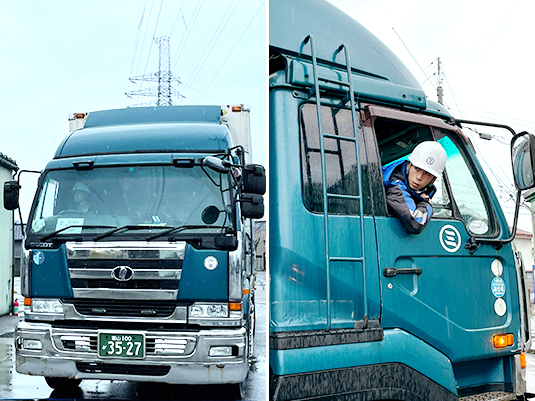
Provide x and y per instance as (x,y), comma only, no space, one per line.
(196,368)
(178,316)
(124,250)
(236,260)
(139,274)
(111,293)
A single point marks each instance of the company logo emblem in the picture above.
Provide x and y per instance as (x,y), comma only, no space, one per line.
(430,161)
(122,273)
(450,238)
(38,257)
(210,263)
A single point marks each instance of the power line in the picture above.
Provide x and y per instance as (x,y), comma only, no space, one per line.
(236,44)
(188,32)
(213,42)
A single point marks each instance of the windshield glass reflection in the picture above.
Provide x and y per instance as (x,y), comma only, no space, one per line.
(152,196)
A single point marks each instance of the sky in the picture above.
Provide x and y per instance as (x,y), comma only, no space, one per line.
(486,53)
(60,57)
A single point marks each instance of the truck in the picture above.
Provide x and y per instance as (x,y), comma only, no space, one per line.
(360,309)
(137,260)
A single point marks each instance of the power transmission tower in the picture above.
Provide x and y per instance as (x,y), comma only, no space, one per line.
(164,91)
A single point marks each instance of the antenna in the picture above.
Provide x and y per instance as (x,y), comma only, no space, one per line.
(164,91)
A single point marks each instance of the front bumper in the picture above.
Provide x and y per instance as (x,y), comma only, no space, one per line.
(59,357)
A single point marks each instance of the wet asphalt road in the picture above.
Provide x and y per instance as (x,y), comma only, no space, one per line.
(17,386)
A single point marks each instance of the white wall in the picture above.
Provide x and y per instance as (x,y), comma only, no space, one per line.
(6,249)
(523,244)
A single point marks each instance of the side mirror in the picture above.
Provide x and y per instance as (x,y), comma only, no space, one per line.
(11,195)
(216,164)
(254,179)
(252,206)
(523,160)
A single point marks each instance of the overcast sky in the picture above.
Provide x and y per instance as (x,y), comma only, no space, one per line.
(486,51)
(60,57)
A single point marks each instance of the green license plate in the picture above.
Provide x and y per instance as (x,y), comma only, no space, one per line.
(121,345)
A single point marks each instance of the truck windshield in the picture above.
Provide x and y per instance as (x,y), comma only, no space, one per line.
(91,202)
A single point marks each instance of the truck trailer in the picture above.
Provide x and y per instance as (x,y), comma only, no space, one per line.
(137,261)
(360,309)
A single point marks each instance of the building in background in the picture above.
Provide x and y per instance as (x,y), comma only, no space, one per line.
(7,167)
(17,247)
(260,245)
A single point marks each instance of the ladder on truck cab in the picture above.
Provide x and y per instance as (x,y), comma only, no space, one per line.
(347,86)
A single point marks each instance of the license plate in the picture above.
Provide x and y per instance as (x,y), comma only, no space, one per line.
(121,345)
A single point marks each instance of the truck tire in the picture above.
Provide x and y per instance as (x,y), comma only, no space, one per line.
(58,383)
(234,391)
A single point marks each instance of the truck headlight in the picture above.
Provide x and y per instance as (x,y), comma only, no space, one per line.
(46,306)
(208,310)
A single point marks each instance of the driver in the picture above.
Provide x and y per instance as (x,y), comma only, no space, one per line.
(409,184)
(81,197)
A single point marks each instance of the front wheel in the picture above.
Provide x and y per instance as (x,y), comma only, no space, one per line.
(62,382)
(234,391)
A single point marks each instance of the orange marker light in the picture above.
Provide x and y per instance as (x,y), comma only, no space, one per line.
(523,361)
(503,340)
(27,302)
(235,306)
(236,108)
(245,291)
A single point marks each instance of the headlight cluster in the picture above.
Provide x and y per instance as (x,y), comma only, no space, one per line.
(46,306)
(208,310)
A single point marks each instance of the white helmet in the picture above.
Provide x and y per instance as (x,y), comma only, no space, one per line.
(429,156)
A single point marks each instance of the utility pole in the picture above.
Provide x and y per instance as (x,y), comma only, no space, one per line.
(164,77)
(440,89)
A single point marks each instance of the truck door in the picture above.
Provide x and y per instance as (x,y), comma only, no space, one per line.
(432,287)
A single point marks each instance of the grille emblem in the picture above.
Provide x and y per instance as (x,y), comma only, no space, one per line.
(122,273)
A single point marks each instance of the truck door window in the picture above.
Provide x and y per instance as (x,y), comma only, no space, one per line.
(466,189)
(340,160)
(396,140)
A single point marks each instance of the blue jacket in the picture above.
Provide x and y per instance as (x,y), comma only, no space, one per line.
(413,210)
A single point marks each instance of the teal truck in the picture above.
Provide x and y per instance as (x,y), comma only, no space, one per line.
(360,309)
(137,256)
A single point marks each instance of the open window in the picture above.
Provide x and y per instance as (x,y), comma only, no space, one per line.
(460,194)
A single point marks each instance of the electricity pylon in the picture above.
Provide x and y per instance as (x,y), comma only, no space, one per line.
(164,91)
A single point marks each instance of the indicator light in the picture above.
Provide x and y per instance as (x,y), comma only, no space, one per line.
(523,361)
(235,306)
(236,108)
(27,302)
(245,291)
(503,340)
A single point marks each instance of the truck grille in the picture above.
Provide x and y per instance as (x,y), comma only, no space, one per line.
(125,271)
(155,345)
(134,284)
(129,308)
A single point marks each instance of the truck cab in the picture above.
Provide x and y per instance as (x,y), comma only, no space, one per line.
(137,254)
(361,308)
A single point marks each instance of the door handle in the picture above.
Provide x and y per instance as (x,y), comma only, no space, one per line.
(392,271)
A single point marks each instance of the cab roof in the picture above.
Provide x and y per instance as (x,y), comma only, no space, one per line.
(293,20)
(149,130)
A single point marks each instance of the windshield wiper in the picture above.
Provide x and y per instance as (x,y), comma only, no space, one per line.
(53,234)
(131,227)
(181,228)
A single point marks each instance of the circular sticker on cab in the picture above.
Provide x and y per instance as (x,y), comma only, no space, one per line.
(496,267)
(498,287)
(500,307)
